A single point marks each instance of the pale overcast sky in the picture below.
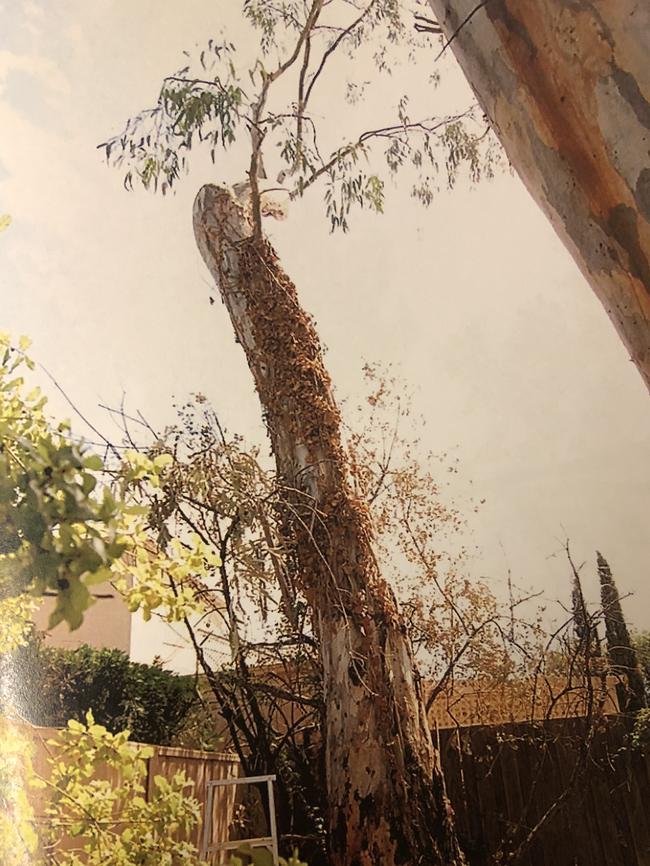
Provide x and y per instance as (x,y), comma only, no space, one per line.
(513,362)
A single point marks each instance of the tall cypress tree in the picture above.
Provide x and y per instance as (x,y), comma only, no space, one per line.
(622,657)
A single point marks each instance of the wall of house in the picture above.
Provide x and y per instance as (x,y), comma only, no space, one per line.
(106,624)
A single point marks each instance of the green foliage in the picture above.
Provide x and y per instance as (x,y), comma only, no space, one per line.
(15,625)
(18,839)
(188,109)
(641,645)
(267,18)
(347,186)
(150,578)
(111,822)
(206,102)
(57,532)
(620,651)
(65,524)
(50,686)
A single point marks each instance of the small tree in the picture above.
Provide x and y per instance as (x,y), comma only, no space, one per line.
(641,646)
(585,629)
(255,643)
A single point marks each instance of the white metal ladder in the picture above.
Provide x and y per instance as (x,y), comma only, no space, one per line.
(270,842)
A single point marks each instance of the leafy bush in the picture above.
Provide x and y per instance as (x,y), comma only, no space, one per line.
(108,823)
(59,530)
(67,523)
(50,686)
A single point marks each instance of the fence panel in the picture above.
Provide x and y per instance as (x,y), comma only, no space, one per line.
(198,766)
(503,779)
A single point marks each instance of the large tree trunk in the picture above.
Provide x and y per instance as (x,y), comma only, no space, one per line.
(566,86)
(385,786)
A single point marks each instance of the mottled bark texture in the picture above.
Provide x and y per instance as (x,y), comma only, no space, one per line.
(566,86)
(384,782)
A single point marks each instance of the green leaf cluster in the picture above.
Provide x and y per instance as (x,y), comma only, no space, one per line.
(347,185)
(283,126)
(114,823)
(157,577)
(207,107)
(639,737)
(59,531)
(67,524)
(18,839)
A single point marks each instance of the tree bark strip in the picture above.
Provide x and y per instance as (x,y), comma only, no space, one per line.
(385,786)
(566,87)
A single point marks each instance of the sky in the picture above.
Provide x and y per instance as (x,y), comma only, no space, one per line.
(511,359)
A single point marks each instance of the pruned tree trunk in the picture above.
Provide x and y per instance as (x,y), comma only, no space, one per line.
(384,781)
(566,87)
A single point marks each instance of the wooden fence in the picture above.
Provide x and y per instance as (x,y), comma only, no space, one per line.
(502,780)
(199,767)
(483,701)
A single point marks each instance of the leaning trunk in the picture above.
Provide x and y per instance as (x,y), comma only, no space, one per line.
(566,87)
(385,788)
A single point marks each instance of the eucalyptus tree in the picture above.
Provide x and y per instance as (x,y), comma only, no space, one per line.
(566,87)
(385,789)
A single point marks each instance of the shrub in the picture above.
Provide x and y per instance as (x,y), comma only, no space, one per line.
(49,686)
(110,823)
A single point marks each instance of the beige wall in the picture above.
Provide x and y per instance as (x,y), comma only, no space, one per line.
(106,624)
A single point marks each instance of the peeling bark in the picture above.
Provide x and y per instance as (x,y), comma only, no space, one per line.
(566,87)
(385,786)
